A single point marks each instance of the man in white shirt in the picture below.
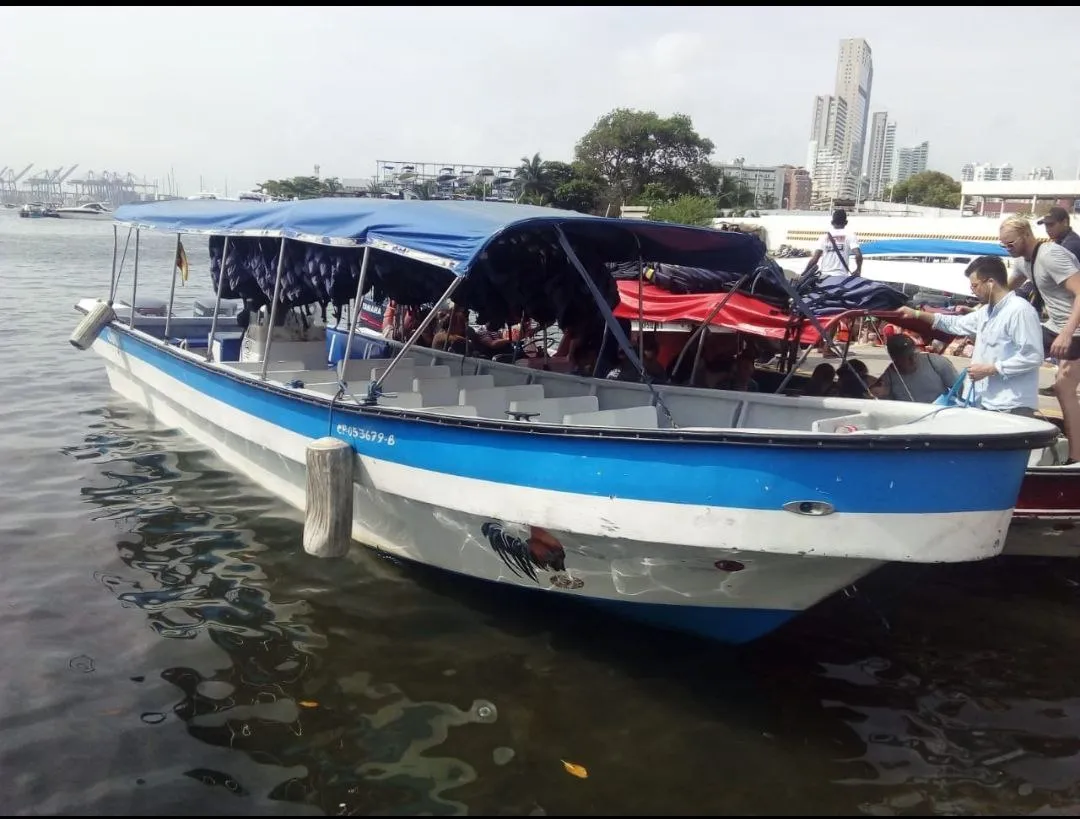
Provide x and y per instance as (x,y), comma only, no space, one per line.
(835,248)
(1004,369)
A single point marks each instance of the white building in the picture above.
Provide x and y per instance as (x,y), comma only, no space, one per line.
(910,161)
(879,165)
(766,182)
(854,77)
(839,125)
(1045,172)
(985,172)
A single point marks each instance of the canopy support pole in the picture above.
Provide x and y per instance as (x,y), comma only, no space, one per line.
(217,300)
(134,284)
(172,291)
(376,387)
(698,331)
(613,323)
(273,309)
(829,343)
(360,282)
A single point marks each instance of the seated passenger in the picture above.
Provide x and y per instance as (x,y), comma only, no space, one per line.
(822,381)
(913,376)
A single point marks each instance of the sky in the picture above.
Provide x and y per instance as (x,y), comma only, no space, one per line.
(231,96)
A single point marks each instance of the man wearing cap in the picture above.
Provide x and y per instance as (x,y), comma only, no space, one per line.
(913,376)
(1058,229)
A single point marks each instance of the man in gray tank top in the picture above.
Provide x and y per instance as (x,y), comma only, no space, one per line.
(1055,273)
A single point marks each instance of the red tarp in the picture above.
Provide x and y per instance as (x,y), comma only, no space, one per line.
(743,313)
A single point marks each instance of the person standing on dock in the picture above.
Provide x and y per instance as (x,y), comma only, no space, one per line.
(1004,369)
(833,258)
(1059,230)
(1055,274)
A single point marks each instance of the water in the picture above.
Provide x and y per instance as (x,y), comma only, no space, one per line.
(169,649)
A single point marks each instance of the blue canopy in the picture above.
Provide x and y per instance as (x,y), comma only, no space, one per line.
(450,234)
(931,247)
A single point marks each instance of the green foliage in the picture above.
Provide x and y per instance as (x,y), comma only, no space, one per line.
(686,210)
(630,149)
(930,188)
(300,187)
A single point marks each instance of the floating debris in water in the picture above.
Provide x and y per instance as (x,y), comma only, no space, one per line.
(81,663)
(484,711)
(574,769)
(502,755)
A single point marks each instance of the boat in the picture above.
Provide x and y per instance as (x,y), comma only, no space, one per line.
(34,210)
(1046,519)
(718,513)
(89,210)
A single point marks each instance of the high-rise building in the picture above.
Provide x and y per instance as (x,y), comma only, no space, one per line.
(879,164)
(1045,172)
(854,77)
(839,125)
(910,161)
(985,172)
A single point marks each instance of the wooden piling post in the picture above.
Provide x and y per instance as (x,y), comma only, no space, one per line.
(329,514)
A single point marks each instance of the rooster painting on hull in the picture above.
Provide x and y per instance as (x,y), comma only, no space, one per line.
(541,551)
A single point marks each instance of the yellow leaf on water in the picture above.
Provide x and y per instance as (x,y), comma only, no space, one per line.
(575,770)
(308,704)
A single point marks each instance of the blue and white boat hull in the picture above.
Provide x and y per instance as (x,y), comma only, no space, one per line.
(693,536)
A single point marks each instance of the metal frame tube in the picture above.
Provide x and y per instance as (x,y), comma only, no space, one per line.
(172,290)
(118,271)
(112,276)
(134,284)
(613,324)
(699,330)
(217,301)
(795,369)
(273,309)
(373,391)
(357,311)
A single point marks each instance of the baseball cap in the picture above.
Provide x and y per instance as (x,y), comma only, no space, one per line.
(1055,214)
(899,344)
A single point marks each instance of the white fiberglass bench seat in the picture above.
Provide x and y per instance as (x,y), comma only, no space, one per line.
(552,410)
(627,417)
(493,402)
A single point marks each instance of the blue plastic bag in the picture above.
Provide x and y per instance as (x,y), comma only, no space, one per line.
(953,397)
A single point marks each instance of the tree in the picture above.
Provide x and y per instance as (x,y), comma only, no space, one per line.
(577,194)
(932,189)
(533,178)
(734,194)
(301,187)
(686,210)
(629,149)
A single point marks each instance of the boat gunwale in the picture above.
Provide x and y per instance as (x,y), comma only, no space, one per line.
(811,441)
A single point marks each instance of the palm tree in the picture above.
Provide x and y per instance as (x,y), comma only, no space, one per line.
(533,178)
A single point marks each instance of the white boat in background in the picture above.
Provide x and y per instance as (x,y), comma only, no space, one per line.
(89,210)
(927,264)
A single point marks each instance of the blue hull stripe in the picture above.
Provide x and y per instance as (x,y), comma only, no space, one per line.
(708,474)
(725,625)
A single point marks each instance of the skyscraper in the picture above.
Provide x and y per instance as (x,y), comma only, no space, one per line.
(854,77)
(839,124)
(879,163)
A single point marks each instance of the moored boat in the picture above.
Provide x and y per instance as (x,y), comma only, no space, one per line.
(711,511)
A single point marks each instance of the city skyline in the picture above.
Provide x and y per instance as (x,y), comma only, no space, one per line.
(221,114)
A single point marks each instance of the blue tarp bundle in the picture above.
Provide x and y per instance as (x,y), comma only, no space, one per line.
(835,294)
